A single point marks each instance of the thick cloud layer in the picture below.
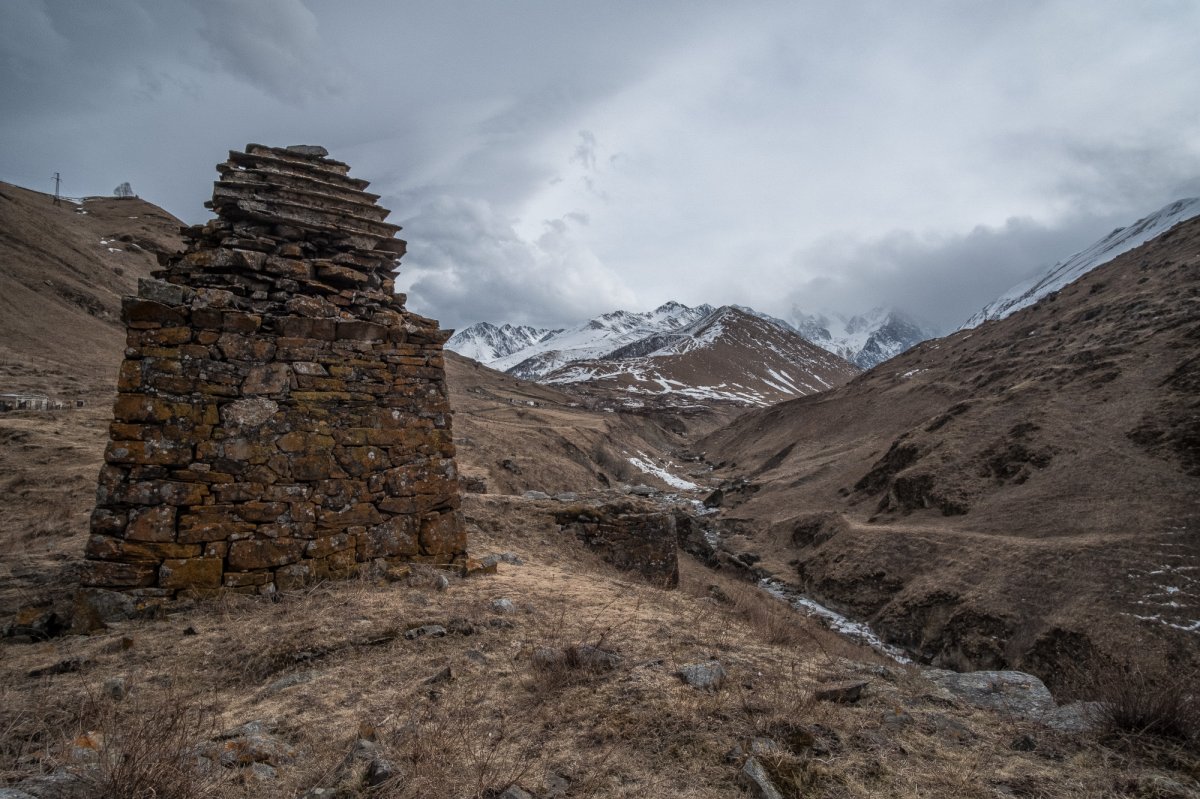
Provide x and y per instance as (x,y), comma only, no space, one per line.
(555,160)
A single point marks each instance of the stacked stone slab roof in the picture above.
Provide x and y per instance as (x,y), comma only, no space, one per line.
(281,417)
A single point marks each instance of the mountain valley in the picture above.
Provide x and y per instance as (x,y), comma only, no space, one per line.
(1017,495)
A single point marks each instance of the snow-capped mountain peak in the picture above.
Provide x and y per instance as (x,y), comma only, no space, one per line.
(865,339)
(596,338)
(1119,241)
(485,342)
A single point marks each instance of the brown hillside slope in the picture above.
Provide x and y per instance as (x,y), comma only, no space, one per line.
(1014,494)
(63,271)
(550,441)
(60,295)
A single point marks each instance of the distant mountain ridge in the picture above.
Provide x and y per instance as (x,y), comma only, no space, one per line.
(866,340)
(676,352)
(596,338)
(486,342)
(1065,272)
(728,355)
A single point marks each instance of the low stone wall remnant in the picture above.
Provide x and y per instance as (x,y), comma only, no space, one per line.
(281,418)
(630,536)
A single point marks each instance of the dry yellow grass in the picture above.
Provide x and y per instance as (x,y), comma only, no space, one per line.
(330,664)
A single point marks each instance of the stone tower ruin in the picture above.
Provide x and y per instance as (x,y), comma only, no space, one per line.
(280,417)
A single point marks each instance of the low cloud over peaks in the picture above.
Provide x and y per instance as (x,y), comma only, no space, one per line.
(470,264)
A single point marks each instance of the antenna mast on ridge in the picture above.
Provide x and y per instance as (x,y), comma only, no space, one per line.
(57,180)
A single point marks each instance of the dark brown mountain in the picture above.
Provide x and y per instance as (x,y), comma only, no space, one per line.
(1021,494)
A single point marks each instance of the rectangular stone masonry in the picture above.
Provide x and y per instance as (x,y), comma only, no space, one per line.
(281,417)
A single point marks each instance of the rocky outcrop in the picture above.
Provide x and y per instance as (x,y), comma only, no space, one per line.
(280,416)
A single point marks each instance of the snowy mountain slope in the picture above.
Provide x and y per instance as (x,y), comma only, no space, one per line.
(1119,241)
(865,339)
(729,354)
(485,342)
(596,338)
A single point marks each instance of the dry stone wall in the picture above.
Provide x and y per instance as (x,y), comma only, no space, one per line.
(280,416)
(630,536)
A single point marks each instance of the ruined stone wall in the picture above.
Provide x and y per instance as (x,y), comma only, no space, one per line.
(629,536)
(281,417)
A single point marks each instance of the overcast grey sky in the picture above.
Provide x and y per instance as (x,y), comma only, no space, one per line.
(555,159)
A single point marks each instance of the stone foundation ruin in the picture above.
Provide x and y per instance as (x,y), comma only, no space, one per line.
(281,418)
(633,537)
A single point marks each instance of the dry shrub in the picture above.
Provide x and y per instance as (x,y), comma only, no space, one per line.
(136,749)
(774,620)
(146,750)
(1148,698)
(461,746)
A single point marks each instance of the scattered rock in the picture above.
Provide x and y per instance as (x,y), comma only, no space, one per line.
(758,781)
(545,657)
(441,582)
(283,683)
(1013,693)
(250,743)
(641,490)
(582,656)
(510,465)
(502,557)
(503,605)
(445,675)
(379,771)
(556,785)
(948,728)
(538,495)
(566,496)
(68,666)
(1075,717)
(897,718)
(706,676)
(57,785)
(515,792)
(116,688)
(595,659)
(715,499)
(262,772)
(1023,743)
(844,692)
(430,630)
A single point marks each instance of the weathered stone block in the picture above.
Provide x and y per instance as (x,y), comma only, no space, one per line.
(443,533)
(107,521)
(271,378)
(244,579)
(110,574)
(153,523)
(297,575)
(212,523)
(190,573)
(246,555)
(395,537)
(136,311)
